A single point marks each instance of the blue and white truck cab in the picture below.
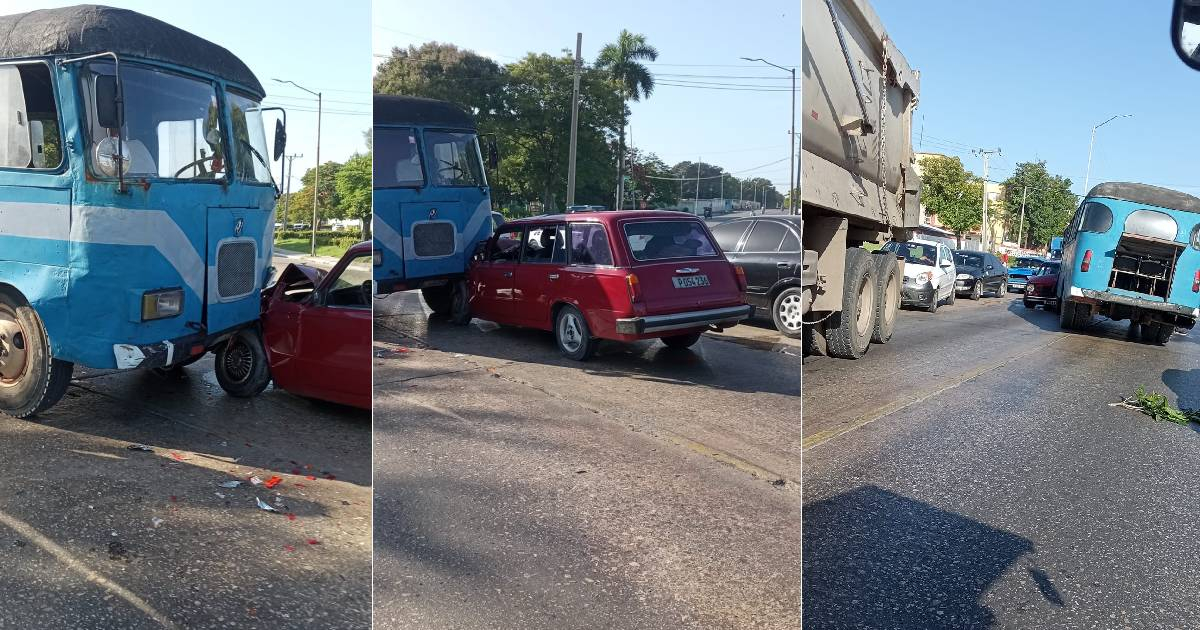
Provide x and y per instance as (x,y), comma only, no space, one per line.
(432,204)
(1132,252)
(136,201)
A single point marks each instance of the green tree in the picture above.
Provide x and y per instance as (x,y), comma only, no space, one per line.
(951,193)
(353,185)
(1049,203)
(445,72)
(622,60)
(301,202)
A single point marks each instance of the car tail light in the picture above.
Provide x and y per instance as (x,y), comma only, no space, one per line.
(741,277)
(1087,261)
(1196,282)
(635,288)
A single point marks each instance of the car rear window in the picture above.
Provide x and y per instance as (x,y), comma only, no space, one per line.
(662,240)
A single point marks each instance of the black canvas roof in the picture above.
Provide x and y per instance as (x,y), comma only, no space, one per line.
(1146,194)
(402,110)
(88,28)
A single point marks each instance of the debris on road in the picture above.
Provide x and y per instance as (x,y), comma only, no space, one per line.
(289,548)
(1157,407)
(177,457)
(156,522)
(219,495)
(255,480)
(264,506)
(273,481)
(139,447)
(230,484)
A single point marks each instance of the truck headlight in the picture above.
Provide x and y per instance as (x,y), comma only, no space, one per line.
(161,303)
(376,257)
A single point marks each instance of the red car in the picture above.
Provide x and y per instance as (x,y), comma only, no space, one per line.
(316,331)
(623,276)
(1042,286)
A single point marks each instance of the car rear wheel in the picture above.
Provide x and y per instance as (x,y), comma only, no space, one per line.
(848,332)
(574,338)
(682,341)
(887,274)
(785,312)
(31,379)
(439,299)
(241,365)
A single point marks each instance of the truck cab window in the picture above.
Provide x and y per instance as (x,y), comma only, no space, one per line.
(29,137)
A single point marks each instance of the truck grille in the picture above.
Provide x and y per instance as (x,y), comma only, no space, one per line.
(433,239)
(235,268)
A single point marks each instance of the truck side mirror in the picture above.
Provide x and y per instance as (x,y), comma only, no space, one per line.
(1185,32)
(493,154)
(280,139)
(109,108)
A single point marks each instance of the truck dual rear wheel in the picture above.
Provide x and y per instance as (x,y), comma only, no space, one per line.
(887,300)
(1157,333)
(1072,315)
(848,332)
(241,364)
(31,380)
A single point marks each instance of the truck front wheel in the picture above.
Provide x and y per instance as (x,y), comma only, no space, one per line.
(439,299)
(848,332)
(31,380)
(241,365)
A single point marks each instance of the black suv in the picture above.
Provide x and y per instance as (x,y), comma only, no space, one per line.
(979,273)
(768,249)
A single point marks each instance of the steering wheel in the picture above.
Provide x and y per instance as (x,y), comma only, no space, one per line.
(368,292)
(204,174)
(451,166)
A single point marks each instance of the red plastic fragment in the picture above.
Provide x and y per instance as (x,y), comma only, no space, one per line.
(291,517)
(273,481)
(310,477)
(313,541)
(289,547)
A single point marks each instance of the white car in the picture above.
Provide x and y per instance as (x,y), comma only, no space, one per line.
(929,273)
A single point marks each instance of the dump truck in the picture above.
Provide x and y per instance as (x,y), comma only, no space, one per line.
(859,186)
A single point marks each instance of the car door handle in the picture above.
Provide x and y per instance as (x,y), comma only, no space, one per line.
(507,274)
(783,265)
(553,276)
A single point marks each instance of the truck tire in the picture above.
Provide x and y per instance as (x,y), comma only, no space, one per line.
(887,301)
(1070,315)
(812,341)
(460,303)
(848,332)
(241,365)
(31,379)
(439,299)
(1157,333)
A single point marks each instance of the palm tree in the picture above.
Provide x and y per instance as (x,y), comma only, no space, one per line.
(635,82)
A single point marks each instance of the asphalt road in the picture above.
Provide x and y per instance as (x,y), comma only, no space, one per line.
(972,474)
(78,539)
(646,488)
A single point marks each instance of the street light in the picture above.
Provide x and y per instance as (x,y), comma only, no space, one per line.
(317,173)
(1092,144)
(792,156)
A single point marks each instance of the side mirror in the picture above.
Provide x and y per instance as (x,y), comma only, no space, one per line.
(109,110)
(946,264)
(1185,32)
(280,139)
(991,266)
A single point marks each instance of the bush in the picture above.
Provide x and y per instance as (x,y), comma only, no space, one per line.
(281,235)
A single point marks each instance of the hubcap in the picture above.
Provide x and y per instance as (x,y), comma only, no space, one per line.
(13,350)
(866,308)
(789,312)
(570,333)
(239,361)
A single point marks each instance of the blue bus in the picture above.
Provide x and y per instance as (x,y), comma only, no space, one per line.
(136,202)
(432,205)
(1132,252)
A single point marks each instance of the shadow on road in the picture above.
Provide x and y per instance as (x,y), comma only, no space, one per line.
(875,559)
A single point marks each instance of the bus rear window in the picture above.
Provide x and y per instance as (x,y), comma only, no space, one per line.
(662,240)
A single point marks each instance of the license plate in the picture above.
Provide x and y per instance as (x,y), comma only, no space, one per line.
(689,282)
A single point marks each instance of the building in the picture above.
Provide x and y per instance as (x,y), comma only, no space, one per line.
(972,239)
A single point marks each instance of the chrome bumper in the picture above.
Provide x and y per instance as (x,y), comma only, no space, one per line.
(692,319)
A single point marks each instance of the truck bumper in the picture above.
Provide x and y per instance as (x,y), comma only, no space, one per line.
(725,317)
(1093,296)
(168,352)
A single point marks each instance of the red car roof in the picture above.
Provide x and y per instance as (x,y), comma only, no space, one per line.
(609,216)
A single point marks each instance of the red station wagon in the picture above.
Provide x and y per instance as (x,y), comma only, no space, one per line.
(623,276)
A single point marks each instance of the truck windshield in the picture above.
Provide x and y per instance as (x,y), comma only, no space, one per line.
(456,159)
(397,158)
(172,125)
(249,139)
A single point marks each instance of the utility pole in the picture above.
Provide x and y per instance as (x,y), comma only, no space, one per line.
(287,186)
(317,173)
(1021,226)
(983,230)
(1092,144)
(574,121)
(792,165)
(698,185)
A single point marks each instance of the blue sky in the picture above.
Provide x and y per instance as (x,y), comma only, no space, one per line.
(323,47)
(736,129)
(1034,77)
